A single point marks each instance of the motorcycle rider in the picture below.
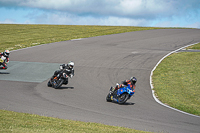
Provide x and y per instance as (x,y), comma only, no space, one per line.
(68,69)
(4,58)
(130,82)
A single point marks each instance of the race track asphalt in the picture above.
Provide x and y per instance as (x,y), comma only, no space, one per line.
(100,62)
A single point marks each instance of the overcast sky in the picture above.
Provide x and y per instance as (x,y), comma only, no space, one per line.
(156,13)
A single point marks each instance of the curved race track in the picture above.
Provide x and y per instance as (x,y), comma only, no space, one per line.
(99,63)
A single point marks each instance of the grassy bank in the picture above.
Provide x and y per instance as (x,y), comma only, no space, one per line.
(176,81)
(27,123)
(196,47)
(13,36)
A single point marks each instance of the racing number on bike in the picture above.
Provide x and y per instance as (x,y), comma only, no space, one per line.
(1,61)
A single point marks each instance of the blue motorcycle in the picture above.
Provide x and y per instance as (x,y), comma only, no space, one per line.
(121,95)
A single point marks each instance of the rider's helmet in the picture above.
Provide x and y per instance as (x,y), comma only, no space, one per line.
(7,52)
(71,64)
(133,80)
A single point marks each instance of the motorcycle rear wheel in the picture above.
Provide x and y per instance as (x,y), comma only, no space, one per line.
(57,83)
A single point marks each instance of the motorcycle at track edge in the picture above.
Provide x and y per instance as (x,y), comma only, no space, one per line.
(58,81)
(121,95)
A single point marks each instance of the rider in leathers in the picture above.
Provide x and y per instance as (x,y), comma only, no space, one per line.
(4,58)
(68,69)
(130,82)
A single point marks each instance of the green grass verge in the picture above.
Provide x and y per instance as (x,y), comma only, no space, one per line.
(176,81)
(15,36)
(196,46)
(29,123)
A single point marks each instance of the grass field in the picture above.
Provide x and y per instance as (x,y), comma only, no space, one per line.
(176,81)
(29,123)
(14,36)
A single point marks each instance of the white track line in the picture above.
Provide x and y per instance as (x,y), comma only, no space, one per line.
(152,84)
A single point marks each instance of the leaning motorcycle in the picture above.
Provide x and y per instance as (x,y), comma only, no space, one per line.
(59,80)
(121,95)
(2,61)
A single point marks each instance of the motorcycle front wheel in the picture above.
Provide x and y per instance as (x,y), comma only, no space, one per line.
(123,98)
(49,84)
(57,83)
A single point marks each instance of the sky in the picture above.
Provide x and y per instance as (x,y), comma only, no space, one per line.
(146,13)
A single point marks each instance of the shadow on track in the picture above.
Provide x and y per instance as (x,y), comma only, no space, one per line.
(62,88)
(4,73)
(126,103)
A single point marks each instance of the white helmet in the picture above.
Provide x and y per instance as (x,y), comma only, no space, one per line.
(7,52)
(71,64)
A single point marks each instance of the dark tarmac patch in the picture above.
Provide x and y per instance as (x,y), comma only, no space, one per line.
(28,71)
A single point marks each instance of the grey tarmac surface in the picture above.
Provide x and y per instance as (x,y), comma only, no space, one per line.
(100,62)
(28,71)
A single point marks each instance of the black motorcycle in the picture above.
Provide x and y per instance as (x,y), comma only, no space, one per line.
(59,80)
